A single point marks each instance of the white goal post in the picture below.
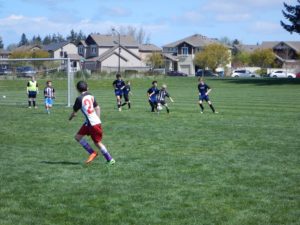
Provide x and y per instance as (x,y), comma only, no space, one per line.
(68,68)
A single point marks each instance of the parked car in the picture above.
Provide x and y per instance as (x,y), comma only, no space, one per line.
(298,75)
(282,74)
(243,73)
(205,73)
(5,71)
(176,74)
(25,71)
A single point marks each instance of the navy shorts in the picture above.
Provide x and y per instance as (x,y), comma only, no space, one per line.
(118,93)
(203,97)
(31,94)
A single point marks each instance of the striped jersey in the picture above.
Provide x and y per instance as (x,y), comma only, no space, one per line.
(49,92)
(162,94)
(87,104)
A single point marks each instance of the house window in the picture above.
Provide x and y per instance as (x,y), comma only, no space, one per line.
(93,50)
(185,50)
(81,49)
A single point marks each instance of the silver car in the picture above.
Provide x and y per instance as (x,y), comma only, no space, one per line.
(243,73)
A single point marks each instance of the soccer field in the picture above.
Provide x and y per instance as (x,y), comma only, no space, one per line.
(240,166)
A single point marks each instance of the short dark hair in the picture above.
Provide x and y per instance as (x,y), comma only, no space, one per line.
(82,86)
(118,75)
(153,82)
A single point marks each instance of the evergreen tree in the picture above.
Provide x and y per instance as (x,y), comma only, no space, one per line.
(1,43)
(24,40)
(47,40)
(292,14)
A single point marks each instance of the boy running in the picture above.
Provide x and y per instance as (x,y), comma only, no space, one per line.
(204,90)
(49,94)
(119,85)
(126,92)
(152,96)
(32,91)
(92,126)
(161,98)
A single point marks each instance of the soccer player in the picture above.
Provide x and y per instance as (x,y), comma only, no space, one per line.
(152,96)
(119,85)
(49,94)
(126,92)
(92,126)
(204,90)
(161,98)
(32,91)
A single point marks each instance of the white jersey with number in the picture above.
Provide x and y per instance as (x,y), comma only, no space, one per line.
(87,104)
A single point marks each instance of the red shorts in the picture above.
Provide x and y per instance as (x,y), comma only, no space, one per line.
(94,131)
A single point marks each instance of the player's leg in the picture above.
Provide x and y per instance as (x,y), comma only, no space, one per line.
(152,105)
(96,135)
(167,108)
(79,137)
(201,105)
(29,99)
(119,103)
(211,106)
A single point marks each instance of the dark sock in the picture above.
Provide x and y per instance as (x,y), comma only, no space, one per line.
(129,106)
(124,104)
(201,106)
(212,108)
(168,111)
(33,102)
(29,103)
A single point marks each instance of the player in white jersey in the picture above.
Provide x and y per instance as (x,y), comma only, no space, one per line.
(49,94)
(161,98)
(92,126)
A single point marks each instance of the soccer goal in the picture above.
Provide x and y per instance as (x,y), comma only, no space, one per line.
(15,73)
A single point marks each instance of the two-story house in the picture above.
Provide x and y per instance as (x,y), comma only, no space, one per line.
(180,54)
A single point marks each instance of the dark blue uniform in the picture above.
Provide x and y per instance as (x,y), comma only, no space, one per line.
(202,92)
(154,91)
(126,91)
(119,85)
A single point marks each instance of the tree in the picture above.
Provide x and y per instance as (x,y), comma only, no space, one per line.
(1,43)
(24,40)
(47,40)
(155,60)
(241,59)
(292,14)
(213,56)
(262,58)
(139,34)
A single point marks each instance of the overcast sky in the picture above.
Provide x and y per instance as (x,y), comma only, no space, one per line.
(251,21)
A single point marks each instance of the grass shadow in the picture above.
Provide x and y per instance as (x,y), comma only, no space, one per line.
(264,81)
(60,163)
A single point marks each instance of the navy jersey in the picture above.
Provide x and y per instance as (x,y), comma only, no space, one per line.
(119,84)
(87,104)
(126,90)
(153,91)
(162,95)
(203,89)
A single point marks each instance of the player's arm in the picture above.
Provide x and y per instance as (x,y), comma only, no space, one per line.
(53,94)
(73,114)
(209,90)
(171,99)
(28,84)
(76,107)
(97,110)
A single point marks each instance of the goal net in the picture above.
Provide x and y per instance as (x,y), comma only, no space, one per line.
(15,74)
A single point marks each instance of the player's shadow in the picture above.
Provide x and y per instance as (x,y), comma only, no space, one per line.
(61,163)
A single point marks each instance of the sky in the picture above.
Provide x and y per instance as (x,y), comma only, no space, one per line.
(165,21)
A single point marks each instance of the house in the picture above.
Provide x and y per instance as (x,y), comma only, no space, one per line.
(105,53)
(4,54)
(180,54)
(146,50)
(65,49)
(26,48)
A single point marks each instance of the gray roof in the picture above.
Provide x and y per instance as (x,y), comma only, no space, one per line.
(55,46)
(247,48)
(149,48)
(195,40)
(27,47)
(271,44)
(112,40)
(82,42)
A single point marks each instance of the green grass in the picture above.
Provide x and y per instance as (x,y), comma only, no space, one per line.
(240,166)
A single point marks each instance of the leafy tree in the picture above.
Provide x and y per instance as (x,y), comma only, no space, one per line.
(1,43)
(292,14)
(262,58)
(11,47)
(241,59)
(24,40)
(213,56)
(155,60)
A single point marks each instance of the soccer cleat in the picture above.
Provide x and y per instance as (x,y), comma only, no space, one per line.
(216,112)
(92,157)
(201,112)
(111,162)
(29,107)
